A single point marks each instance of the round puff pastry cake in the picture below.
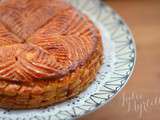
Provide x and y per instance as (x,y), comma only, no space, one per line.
(49,52)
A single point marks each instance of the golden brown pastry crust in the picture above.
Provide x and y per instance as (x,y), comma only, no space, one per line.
(52,52)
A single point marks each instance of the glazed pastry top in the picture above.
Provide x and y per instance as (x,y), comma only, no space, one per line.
(43,39)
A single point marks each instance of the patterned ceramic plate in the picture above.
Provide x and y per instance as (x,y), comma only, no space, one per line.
(119,60)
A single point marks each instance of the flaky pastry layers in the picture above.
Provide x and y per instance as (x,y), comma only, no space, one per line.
(49,52)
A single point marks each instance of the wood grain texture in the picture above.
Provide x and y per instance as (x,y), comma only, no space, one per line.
(140,99)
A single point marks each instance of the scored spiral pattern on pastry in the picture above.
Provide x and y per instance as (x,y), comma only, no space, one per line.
(42,39)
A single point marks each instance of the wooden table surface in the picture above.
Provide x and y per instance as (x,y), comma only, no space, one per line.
(140,99)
